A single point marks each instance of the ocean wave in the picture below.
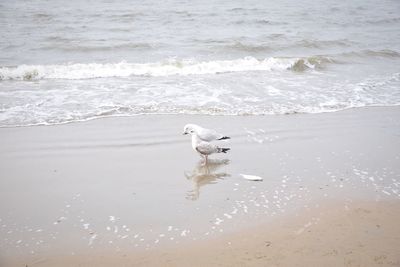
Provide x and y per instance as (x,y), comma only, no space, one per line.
(118,111)
(273,46)
(319,44)
(71,46)
(42,17)
(242,10)
(80,101)
(316,62)
(384,53)
(259,21)
(128,15)
(239,46)
(164,68)
(383,21)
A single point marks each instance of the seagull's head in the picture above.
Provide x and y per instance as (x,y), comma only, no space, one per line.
(189,129)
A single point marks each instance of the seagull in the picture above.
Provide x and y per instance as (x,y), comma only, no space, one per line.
(204,134)
(204,148)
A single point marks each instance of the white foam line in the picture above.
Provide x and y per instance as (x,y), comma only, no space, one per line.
(125,69)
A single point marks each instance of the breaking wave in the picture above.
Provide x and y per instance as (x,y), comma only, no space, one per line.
(164,68)
(81,101)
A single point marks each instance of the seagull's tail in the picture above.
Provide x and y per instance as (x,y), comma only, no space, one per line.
(223,150)
(224,138)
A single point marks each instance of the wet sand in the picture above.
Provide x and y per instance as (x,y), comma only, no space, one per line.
(130,191)
(357,234)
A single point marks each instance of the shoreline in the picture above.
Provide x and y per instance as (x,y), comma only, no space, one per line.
(132,185)
(198,115)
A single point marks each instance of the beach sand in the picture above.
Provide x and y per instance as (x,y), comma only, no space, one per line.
(361,234)
(128,191)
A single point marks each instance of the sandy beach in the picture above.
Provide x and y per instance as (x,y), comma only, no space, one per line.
(95,168)
(359,234)
(129,191)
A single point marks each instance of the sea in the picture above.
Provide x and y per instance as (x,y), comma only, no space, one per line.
(68,61)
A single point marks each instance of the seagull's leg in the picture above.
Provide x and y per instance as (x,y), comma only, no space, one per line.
(206,159)
(201,157)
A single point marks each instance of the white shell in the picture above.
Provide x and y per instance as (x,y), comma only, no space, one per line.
(251,177)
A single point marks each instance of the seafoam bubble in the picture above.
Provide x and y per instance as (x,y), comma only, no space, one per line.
(184,232)
(91,239)
(218,221)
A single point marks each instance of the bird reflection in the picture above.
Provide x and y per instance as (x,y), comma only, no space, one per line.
(205,174)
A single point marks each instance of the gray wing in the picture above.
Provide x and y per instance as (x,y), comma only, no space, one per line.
(206,148)
(209,135)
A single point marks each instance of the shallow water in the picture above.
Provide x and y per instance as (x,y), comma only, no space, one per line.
(102,58)
(122,184)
